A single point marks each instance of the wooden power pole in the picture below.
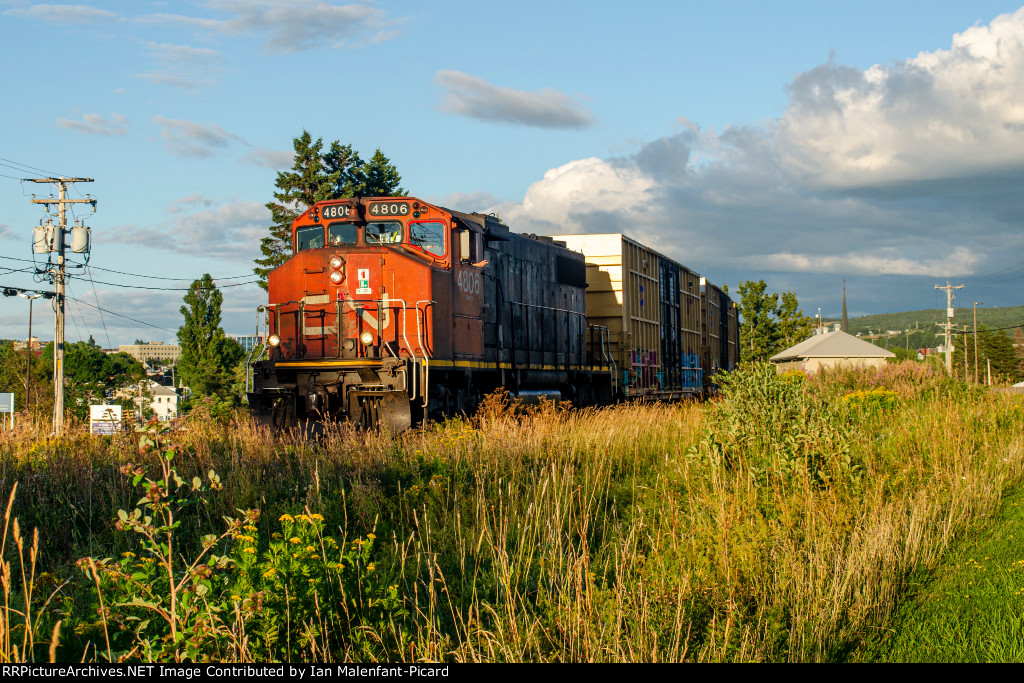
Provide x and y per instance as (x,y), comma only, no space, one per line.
(50,239)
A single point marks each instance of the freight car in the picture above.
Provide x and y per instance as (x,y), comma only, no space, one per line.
(392,310)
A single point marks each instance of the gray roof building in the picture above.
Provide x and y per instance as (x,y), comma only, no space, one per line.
(830,349)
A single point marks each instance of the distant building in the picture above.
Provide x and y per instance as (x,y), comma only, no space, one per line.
(830,350)
(31,342)
(165,353)
(249,341)
(161,400)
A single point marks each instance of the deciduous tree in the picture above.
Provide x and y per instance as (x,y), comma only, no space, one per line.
(208,357)
(759,333)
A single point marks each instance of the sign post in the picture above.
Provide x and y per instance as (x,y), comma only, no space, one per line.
(104,419)
(7,409)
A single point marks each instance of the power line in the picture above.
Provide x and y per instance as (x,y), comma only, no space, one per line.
(119,315)
(172,289)
(25,166)
(97,297)
(148,277)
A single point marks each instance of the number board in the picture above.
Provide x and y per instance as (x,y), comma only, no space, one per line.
(336,211)
(389,209)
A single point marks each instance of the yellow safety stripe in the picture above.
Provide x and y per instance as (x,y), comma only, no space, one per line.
(479,365)
(332,362)
(470,364)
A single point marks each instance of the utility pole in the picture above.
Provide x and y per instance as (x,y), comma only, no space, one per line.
(53,238)
(949,324)
(976,304)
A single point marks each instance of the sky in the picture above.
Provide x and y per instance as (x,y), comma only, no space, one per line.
(809,144)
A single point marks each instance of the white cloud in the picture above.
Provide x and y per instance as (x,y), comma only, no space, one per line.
(883,262)
(64,14)
(230,232)
(911,170)
(95,124)
(476,98)
(292,25)
(275,160)
(940,114)
(195,140)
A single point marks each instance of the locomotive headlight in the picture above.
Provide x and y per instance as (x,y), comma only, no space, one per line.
(366,338)
(336,262)
(274,340)
(336,277)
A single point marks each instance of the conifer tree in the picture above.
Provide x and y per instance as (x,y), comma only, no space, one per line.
(381,178)
(314,177)
(305,184)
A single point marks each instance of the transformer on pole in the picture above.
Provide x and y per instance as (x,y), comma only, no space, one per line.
(48,239)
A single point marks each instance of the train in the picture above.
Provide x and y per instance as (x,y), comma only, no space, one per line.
(393,310)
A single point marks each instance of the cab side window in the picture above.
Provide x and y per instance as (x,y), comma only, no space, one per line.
(428,236)
(309,238)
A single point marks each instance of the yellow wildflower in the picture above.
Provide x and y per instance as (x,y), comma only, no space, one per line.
(294,540)
(286,518)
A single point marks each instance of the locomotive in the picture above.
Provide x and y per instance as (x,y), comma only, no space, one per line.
(393,310)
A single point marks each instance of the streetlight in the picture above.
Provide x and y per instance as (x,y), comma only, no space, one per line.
(28,346)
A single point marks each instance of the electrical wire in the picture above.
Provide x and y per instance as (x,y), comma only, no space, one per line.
(148,277)
(119,315)
(16,164)
(97,297)
(173,289)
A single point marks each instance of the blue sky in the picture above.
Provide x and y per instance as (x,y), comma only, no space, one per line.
(805,143)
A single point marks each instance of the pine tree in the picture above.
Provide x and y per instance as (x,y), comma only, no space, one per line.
(315,177)
(208,357)
(381,178)
(344,161)
(308,182)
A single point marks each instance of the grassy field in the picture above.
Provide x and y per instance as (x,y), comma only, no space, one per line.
(786,521)
(971,607)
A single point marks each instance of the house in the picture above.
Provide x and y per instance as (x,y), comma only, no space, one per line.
(150,396)
(163,401)
(830,350)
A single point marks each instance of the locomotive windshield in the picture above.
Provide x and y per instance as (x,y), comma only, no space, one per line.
(389,232)
(343,233)
(428,236)
(309,238)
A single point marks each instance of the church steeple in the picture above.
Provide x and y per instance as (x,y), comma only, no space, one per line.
(846,323)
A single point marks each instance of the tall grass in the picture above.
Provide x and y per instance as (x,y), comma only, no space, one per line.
(781,522)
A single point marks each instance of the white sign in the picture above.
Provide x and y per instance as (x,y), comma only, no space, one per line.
(363,276)
(6,403)
(104,419)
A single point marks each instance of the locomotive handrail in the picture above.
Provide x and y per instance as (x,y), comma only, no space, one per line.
(248,364)
(425,384)
(605,334)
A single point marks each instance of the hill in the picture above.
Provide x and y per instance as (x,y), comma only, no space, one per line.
(924,326)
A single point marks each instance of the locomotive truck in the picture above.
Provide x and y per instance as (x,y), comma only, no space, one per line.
(393,310)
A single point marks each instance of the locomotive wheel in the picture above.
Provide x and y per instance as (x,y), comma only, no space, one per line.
(282,415)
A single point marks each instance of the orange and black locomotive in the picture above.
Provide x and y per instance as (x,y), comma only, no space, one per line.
(392,310)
